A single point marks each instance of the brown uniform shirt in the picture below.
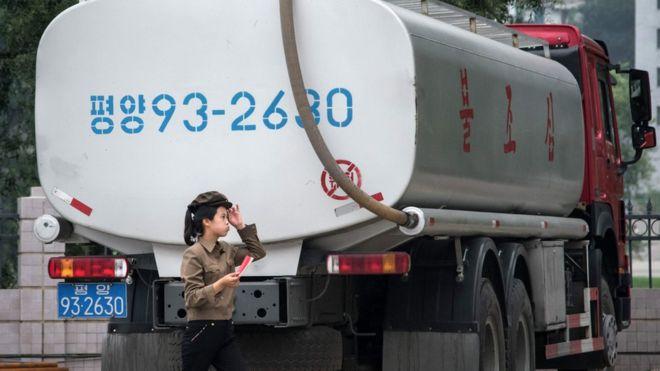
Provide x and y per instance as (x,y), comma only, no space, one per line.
(203,265)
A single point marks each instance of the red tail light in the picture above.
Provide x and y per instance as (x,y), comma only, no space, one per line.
(385,263)
(87,267)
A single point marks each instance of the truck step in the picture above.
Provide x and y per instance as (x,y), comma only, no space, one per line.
(578,320)
(573,347)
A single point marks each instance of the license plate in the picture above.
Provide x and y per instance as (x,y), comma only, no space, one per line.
(91,300)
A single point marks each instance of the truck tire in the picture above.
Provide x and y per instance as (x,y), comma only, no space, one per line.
(608,325)
(520,335)
(491,330)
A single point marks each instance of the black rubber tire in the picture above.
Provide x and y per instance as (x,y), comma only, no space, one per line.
(519,310)
(492,355)
(607,306)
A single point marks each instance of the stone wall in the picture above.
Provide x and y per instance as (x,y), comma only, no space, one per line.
(639,345)
(28,314)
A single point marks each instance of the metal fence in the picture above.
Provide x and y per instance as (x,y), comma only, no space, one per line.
(642,227)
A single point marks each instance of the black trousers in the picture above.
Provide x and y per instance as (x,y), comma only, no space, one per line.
(207,343)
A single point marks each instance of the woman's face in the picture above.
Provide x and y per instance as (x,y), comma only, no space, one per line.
(220,224)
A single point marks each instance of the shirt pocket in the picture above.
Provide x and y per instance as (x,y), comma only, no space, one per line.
(213,273)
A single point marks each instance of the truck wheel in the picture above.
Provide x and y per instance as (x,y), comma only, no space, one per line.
(608,323)
(520,335)
(491,330)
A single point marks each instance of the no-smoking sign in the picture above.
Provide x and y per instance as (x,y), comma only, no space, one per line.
(331,188)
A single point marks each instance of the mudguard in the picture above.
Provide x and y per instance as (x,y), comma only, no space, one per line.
(601,219)
(431,318)
(431,299)
(510,254)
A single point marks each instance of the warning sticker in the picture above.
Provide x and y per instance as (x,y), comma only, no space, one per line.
(74,202)
(352,206)
(331,188)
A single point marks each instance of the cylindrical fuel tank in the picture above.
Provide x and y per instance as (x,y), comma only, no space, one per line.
(143,104)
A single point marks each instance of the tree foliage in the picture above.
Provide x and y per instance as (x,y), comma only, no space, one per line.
(21,25)
(612,21)
(499,9)
(636,179)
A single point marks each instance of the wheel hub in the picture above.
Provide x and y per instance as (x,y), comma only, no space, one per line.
(609,339)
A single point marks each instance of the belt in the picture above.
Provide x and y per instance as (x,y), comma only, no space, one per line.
(211,322)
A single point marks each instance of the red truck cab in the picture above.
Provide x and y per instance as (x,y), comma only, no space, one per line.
(601,203)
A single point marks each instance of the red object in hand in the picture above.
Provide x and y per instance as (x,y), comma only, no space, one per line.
(246,261)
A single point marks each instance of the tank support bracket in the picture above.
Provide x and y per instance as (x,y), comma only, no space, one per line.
(459,259)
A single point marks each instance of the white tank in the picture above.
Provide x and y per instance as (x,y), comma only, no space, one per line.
(143,104)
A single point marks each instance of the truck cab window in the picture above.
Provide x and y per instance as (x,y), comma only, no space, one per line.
(605,104)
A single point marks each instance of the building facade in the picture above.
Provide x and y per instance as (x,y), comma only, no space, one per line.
(647,46)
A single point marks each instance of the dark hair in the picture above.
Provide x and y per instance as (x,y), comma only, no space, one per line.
(193,227)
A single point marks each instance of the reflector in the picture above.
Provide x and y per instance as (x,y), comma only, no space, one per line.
(87,267)
(385,263)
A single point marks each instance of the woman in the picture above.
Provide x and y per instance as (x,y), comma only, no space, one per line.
(207,270)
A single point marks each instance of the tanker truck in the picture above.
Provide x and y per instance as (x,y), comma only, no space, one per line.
(434,190)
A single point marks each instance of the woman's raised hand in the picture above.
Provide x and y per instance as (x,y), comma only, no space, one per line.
(235,217)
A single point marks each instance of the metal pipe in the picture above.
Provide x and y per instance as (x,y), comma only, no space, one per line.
(455,223)
(649,209)
(312,131)
(473,24)
(630,231)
